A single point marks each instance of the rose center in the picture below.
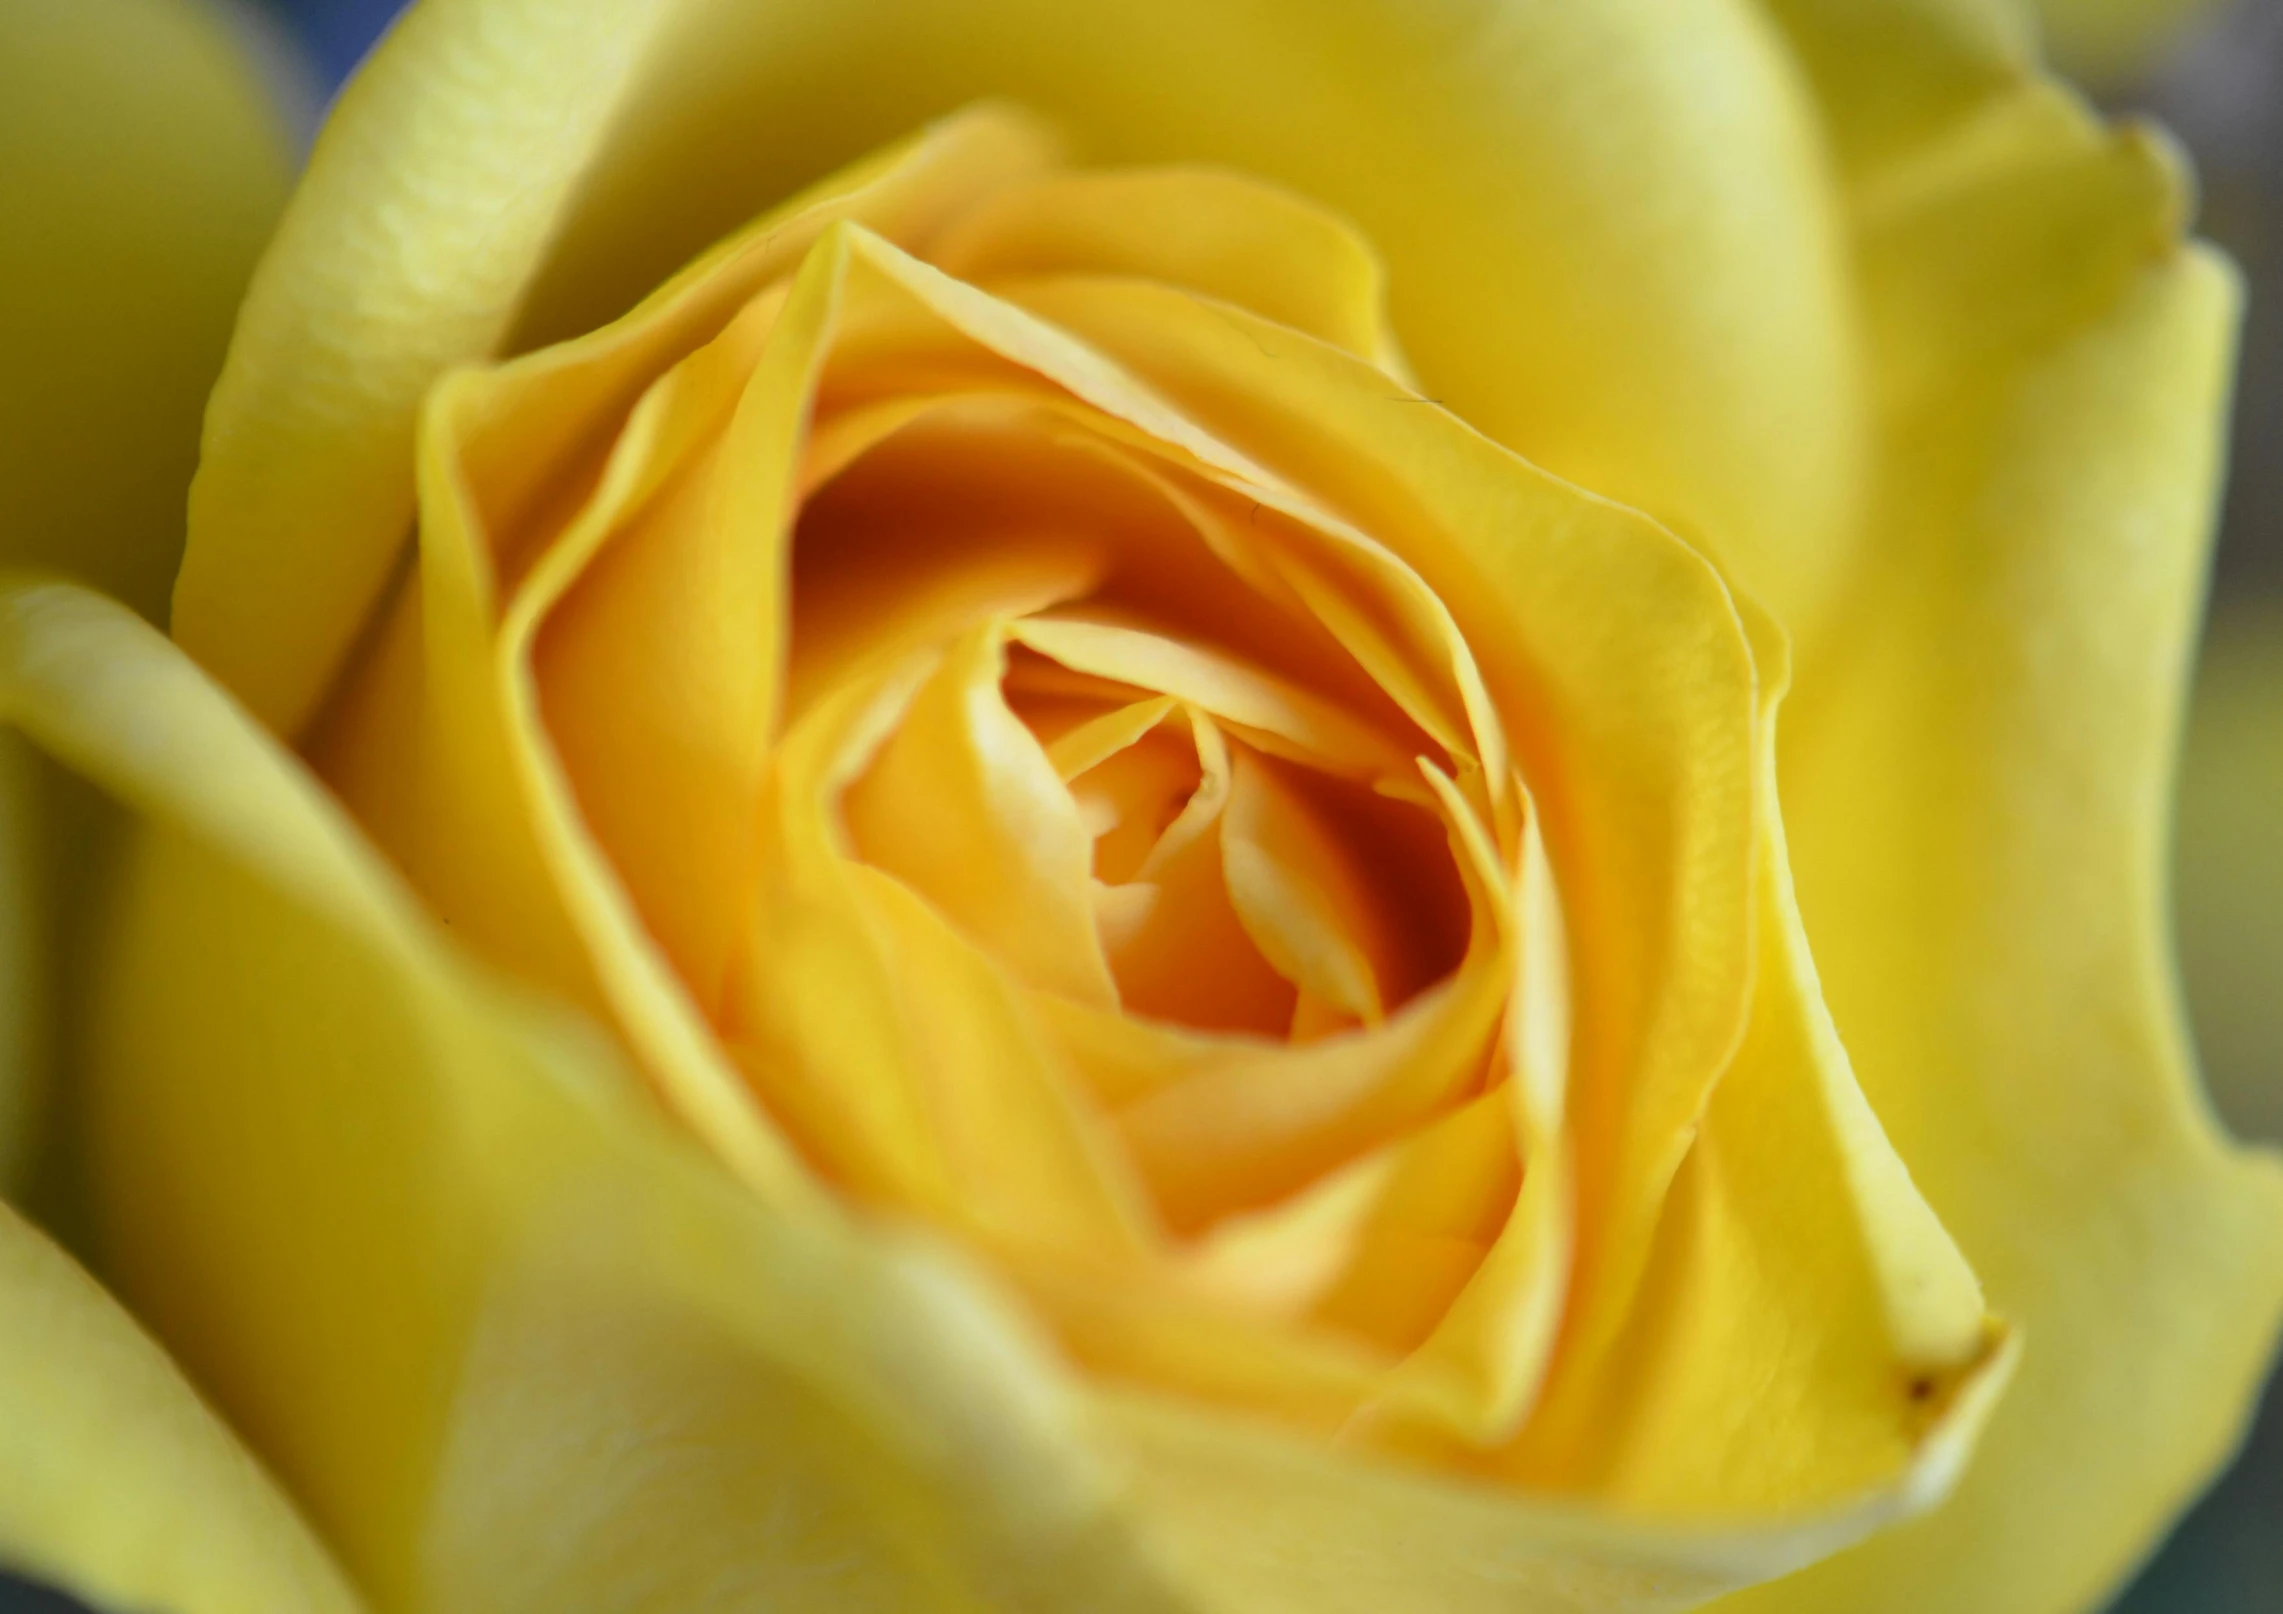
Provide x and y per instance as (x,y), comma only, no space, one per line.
(1106,753)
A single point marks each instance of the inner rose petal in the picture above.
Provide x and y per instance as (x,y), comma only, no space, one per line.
(999,846)
(1151,648)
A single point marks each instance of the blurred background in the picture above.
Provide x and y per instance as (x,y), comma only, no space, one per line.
(2211,71)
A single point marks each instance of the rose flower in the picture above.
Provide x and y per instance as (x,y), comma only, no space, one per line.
(1079,875)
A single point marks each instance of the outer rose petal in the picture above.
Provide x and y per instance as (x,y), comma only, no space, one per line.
(1977,795)
(143,166)
(1610,232)
(145,162)
(432,193)
(115,1479)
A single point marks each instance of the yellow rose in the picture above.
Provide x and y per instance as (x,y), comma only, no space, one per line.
(1028,891)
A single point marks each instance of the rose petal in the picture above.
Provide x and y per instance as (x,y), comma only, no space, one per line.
(1979,836)
(1891,76)
(1219,233)
(962,806)
(1301,893)
(116,1481)
(148,157)
(1794,1251)
(403,253)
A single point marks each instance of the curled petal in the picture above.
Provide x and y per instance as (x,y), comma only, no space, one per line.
(1979,836)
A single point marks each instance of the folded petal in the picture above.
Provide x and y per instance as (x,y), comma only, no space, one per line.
(1269,1525)
(1978,797)
(1806,1329)
(430,199)
(998,846)
(1977,788)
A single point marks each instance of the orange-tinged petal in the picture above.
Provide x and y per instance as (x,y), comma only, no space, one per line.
(1184,955)
(1437,1200)
(1478,1374)
(1219,1127)
(439,741)
(1300,893)
(1133,798)
(1226,1123)
(1033,1168)
(963,806)
(1086,746)
(1293,720)
(651,632)
(418,748)
(1391,623)
(811,1008)
(534,413)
